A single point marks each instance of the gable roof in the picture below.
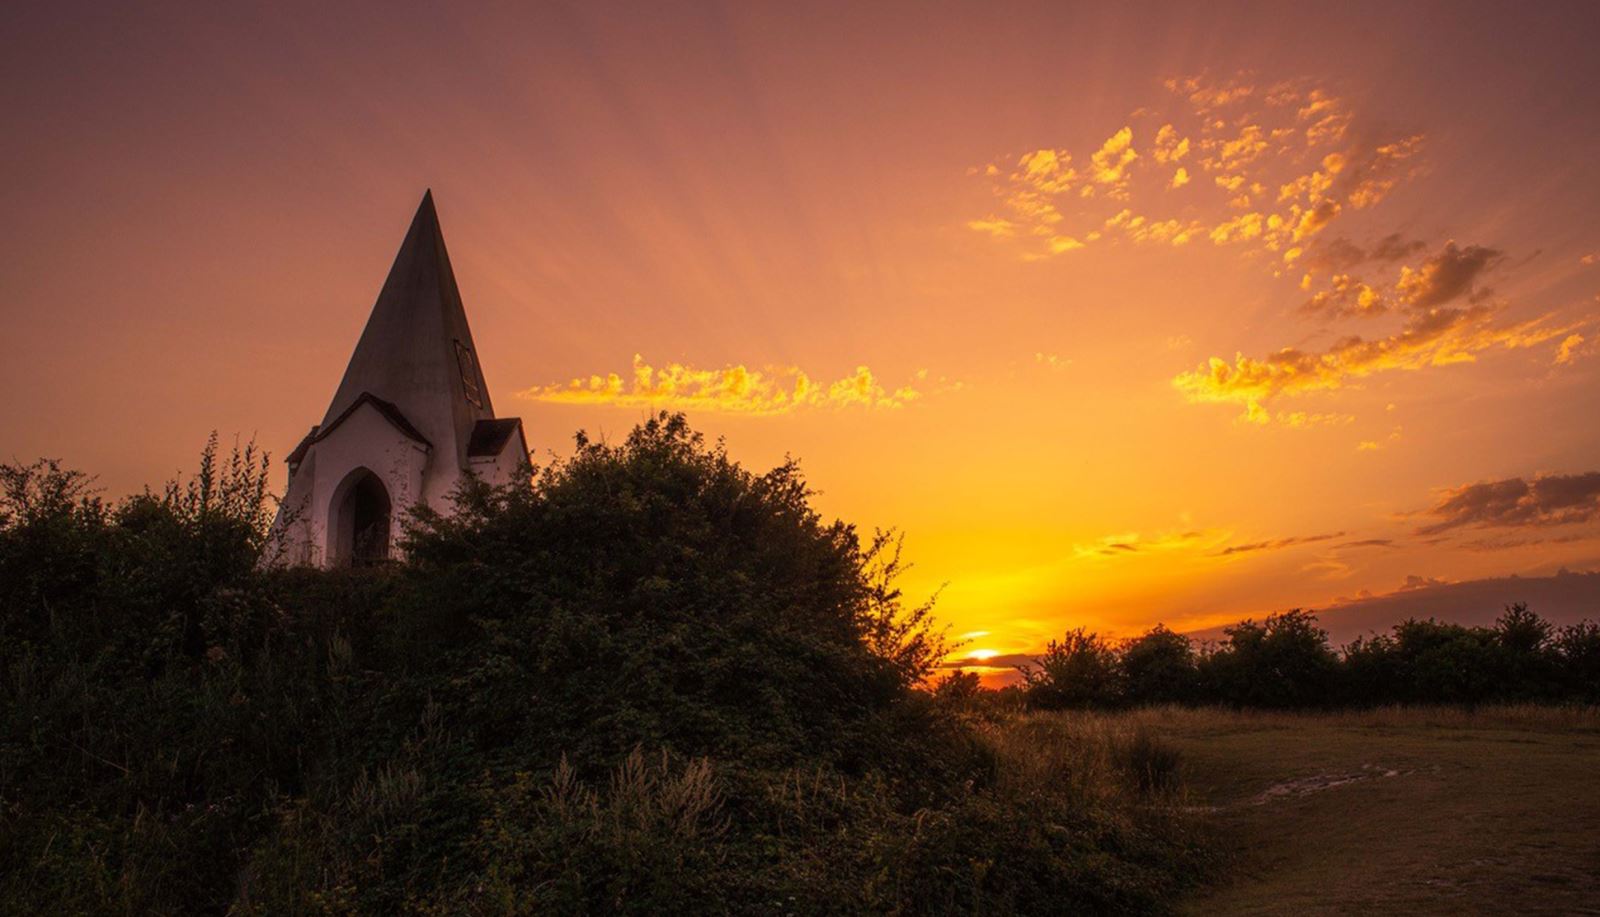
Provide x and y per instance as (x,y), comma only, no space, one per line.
(489,437)
(416,353)
(388,410)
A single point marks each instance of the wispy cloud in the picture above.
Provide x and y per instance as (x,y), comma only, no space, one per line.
(1543,500)
(1454,273)
(1345,297)
(733,389)
(999,227)
(1368,543)
(1439,337)
(1129,544)
(1193,542)
(1268,170)
(1571,347)
(1274,544)
(1435,331)
(1340,254)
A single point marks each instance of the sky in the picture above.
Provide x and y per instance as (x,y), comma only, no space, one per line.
(1123,314)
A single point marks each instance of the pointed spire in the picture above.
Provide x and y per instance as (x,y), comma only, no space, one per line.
(416,351)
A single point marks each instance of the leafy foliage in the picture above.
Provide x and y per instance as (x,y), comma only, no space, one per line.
(651,682)
(1159,668)
(1282,662)
(1079,670)
(1285,662)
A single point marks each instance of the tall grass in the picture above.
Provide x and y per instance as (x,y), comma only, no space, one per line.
(1097,759)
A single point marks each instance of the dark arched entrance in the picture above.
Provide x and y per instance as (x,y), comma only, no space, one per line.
(361,520)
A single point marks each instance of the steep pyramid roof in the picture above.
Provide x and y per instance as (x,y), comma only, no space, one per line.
(416,351)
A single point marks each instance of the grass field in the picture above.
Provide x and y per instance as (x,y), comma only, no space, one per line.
(1395,811)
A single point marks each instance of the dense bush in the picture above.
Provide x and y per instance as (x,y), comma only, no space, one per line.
(1577,661)
(1159,668)
(1282,662)
(1286,662)
(651,682)
(1079,670)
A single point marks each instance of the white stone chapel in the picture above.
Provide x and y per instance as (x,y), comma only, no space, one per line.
(410,419)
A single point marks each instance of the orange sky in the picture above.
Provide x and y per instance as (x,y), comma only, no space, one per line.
(1069,243)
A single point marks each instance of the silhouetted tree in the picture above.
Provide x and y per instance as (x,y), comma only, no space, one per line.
(1370,672)
(1446,663)
(1283,662)
(958,688)
(1079,670)
(1527,667)
(1577,650)
(1159,668)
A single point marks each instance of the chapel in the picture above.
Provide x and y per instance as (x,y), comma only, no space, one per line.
(410,419)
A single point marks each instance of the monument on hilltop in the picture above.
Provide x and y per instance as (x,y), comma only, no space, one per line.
(410,419)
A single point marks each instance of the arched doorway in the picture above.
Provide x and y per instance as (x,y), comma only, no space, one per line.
(361,520)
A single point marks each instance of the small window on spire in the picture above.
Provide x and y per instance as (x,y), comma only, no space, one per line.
(469,374)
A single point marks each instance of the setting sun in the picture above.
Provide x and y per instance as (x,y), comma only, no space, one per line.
(1189,338)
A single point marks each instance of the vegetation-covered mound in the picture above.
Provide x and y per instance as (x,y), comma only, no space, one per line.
(652,682)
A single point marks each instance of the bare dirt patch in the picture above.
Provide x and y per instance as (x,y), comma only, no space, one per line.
(1320,782)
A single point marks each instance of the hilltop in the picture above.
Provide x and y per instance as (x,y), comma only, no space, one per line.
(653,681)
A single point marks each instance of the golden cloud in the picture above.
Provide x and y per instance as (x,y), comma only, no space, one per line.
(1257,155)
(1059,244)
(1197,543)
(1239,229)
(1569,349)
(1111,161)
(1372,177)
(1169,147)
(732,389)
(1296,420)
(1439,337)
(1048,171)
(1205,95)
(1275,544)
(1130,544)
(1346,296)
(994,226)
(1241,150)
(1450,275)
(1141,229)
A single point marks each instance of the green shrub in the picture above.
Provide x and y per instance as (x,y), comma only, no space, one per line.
(1159,668)
(651,682)
(1577,649)
(1283,662)
(1079,670)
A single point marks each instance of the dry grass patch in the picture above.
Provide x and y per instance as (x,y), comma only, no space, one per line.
(1396,810)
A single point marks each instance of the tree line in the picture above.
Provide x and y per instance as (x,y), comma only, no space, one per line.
(1286,662)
